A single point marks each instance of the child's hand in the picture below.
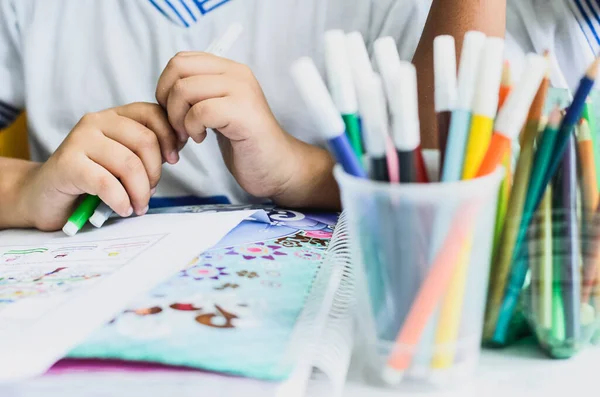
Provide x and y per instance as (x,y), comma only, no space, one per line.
(201,91)
(114,154)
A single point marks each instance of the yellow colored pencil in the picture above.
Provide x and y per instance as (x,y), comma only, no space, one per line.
(545,264)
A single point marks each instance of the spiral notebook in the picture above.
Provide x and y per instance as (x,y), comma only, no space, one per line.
(267,308)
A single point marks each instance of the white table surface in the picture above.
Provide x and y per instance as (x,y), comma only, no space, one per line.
(520,370)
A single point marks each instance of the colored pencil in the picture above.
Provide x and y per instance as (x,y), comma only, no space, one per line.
(590,116)
(444,61)
(588,169)
(502,262)
(341,86)
(545,263)
(323,111)
(460,121)
(539,180)
(590,204)
(499,287)
(485,105)
(569,240)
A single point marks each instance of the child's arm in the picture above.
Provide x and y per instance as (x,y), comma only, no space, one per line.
(453,17)
(201,91)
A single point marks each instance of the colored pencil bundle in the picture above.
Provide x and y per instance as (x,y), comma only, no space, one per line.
(550,230)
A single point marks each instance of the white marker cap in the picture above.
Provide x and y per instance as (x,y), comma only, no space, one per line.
(404,107)
(320,104)
(221,45)
(375,118)
(101,215)
(468,70)
(360,64)
(444,64)
(360,61)
(513,114)
(388,60)
(339,72)
(70,229)
(485,102)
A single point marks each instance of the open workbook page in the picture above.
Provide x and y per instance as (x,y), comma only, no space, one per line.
(55,290)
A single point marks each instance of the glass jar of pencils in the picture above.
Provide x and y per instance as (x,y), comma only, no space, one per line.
(422,254)
(561,297)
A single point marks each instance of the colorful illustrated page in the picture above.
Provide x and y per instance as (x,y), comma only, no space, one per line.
(56,290)
(34,279)
(232,310)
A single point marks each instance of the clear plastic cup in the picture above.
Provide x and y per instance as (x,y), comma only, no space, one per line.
(422,254)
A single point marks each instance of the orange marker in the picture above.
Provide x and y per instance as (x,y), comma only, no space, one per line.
(430,294)
(513,114)
(505,85)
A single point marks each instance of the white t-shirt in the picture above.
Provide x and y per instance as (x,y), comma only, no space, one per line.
(570,29)
(60,59)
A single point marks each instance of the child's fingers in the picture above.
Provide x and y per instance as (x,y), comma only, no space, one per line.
(213,113)
(96,180)
(191,90)
(182,66)
(138,139)
(153,117)
(127,167)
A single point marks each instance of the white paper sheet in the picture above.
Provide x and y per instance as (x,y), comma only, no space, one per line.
(55,290)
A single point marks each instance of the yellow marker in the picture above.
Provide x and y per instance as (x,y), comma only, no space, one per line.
(450,316)
(485,105)
(480,136)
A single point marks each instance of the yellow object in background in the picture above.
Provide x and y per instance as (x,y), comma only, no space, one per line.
(13,140)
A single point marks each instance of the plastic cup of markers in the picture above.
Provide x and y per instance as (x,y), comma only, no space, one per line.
(561,297)
(422,254)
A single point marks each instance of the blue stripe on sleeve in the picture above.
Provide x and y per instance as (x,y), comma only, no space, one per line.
(7,114)
(161,10)
(9,107)
(187,25)
(587,20)
(204,8)
(188,10)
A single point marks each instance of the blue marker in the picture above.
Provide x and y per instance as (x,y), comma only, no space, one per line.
(460,122)
(325,115)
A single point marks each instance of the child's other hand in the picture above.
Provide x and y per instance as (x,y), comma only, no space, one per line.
(116,154)
(201,91)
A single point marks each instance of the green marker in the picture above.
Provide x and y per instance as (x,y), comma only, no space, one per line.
(81,215)
(353,132)
(590,117)
(341,84)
